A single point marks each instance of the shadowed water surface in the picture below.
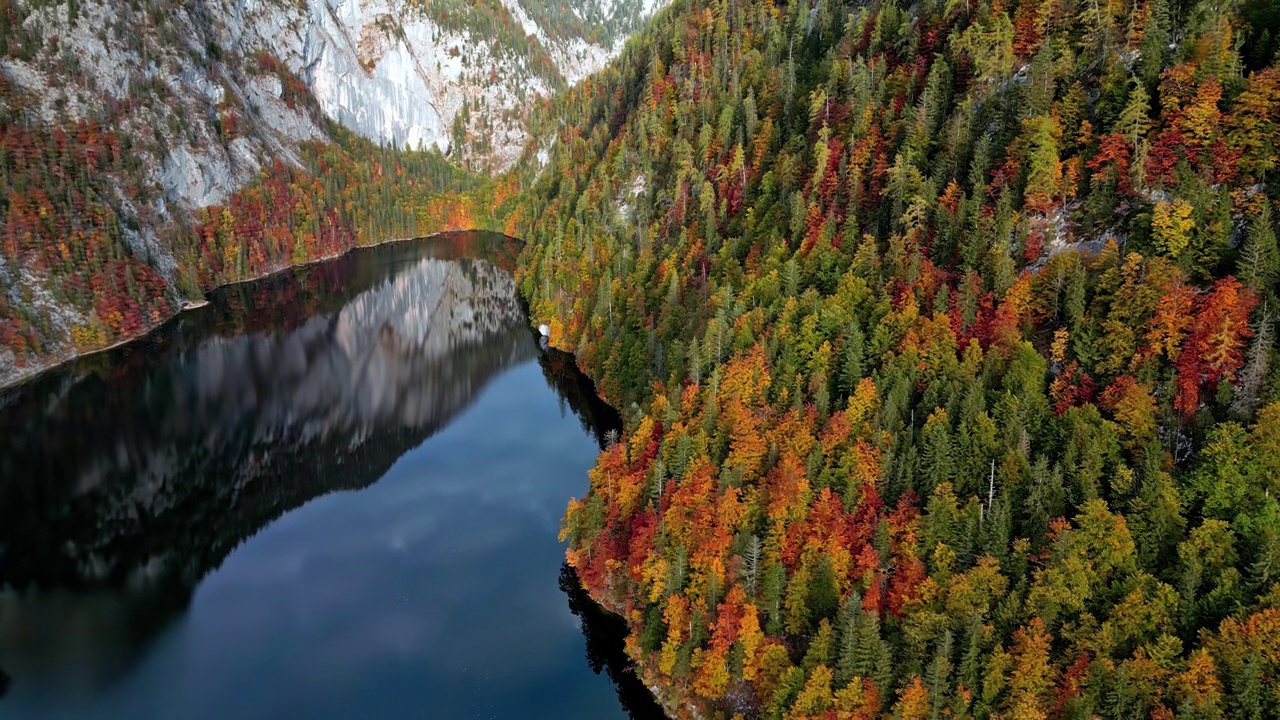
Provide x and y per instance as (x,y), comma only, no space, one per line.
(332,493)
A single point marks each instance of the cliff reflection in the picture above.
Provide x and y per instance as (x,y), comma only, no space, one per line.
(576,390)
(127,477)
(604,632)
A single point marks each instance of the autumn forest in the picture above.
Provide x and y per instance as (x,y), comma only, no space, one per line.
(943,333)
(944,336)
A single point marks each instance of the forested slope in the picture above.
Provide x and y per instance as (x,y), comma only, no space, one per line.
(943,333)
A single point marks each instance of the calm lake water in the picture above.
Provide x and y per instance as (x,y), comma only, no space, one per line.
(333,493)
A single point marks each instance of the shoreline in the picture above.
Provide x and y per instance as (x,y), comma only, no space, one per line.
(185,306)
(670,705)
(668,701)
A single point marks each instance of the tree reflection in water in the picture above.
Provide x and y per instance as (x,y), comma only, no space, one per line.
(606,635)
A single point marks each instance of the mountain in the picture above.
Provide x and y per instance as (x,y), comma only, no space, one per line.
(126,130)
(408,73)
(459,76)
(944,336)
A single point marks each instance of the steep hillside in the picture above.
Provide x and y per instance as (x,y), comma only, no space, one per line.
(459,76)
(150,151)
(944,334)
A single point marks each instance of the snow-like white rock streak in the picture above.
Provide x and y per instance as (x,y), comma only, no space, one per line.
(389,71)
(395,101)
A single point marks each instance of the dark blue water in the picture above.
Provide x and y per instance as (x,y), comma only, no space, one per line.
(331,494)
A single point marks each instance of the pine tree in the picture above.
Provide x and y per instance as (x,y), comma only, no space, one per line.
(1248,391)
(852,369)
(751,555)
(1134,122)
(847,655)
(937,464)
(1155,40)
(939,674)
(1259,261)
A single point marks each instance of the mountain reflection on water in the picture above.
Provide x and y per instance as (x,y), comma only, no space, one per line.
(129,477)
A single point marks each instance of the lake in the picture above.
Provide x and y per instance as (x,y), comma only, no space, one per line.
(331,493)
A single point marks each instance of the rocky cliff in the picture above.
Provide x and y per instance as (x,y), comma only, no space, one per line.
(454,75)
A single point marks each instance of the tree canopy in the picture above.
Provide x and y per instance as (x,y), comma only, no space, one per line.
(943,332)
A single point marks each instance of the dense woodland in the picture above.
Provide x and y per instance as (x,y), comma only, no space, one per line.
(943,332)
(348,193)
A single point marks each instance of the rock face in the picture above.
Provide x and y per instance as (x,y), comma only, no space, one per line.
(424,73)
(457,76)
(411,73)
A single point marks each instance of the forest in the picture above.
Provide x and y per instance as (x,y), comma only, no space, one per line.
(943,335)
(942,331)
